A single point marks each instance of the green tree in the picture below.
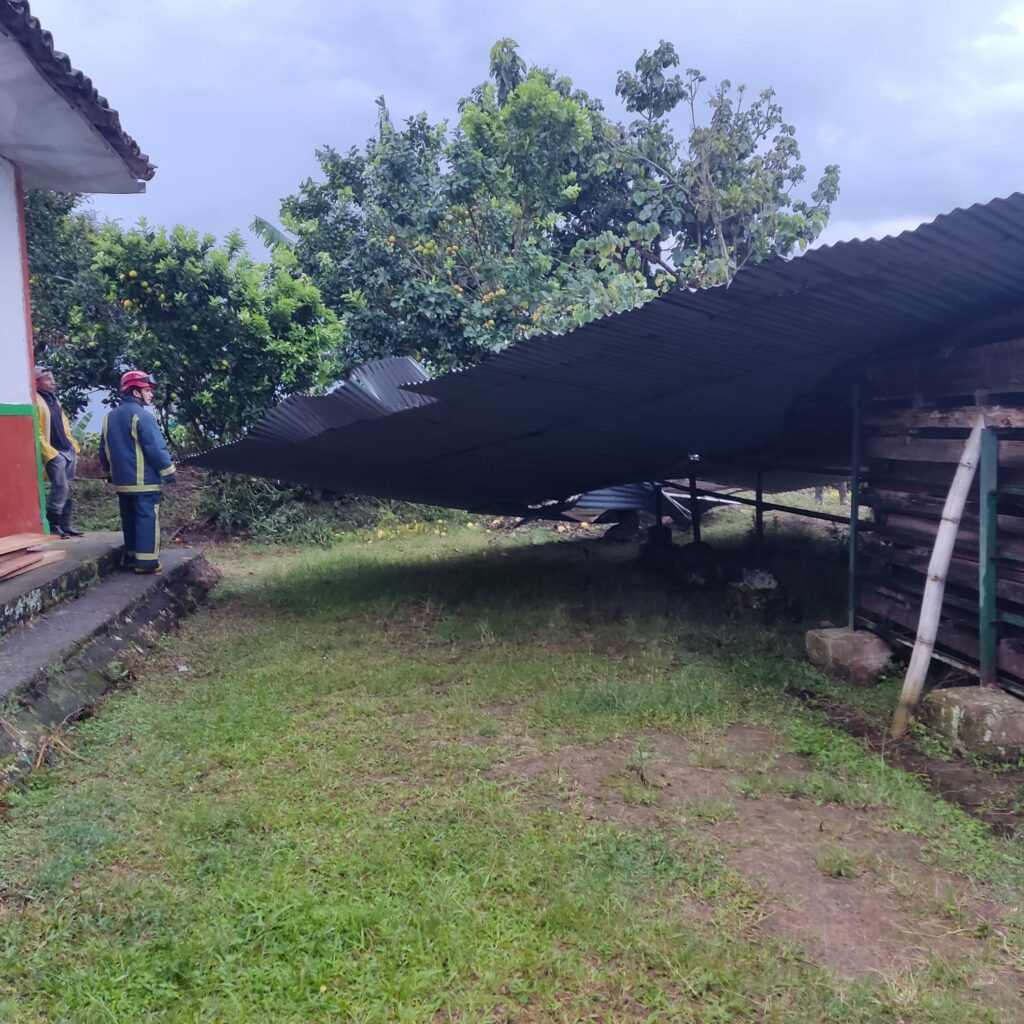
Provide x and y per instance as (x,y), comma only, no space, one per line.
(227,337)
(68,296)
(443,244)
(536,212)
(725,198)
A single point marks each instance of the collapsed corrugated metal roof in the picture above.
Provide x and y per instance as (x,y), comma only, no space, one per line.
(374,390)
(629,397)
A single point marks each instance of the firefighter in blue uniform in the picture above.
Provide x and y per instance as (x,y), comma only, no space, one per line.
(136,460)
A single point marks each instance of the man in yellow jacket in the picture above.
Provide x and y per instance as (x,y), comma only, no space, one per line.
(60,453)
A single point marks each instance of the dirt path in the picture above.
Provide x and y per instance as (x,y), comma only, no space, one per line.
(836,881)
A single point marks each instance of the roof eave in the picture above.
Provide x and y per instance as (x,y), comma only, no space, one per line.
(76,89)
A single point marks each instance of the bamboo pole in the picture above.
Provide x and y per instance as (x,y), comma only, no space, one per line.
(931,603)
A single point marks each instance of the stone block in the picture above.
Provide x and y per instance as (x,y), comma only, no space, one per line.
(977,720)
(854,655)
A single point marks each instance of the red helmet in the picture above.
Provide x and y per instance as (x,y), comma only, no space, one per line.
(136,379)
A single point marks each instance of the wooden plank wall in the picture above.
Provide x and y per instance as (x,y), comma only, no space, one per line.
(917,414)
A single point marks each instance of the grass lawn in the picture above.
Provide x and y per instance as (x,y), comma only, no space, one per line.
(450,775)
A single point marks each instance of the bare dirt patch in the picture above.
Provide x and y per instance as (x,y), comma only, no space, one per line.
(835,881)
(854,896)
(638,781)
(861,900)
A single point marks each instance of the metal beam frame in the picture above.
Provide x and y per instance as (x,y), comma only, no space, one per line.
(694,503)
(855,525)
(770,506)
(759,517)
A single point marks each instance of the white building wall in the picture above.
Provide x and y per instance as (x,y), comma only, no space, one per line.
(15,379)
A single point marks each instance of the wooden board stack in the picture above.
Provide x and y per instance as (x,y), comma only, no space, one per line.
(25,551)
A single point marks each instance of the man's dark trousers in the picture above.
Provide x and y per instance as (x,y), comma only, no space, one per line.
(140,521)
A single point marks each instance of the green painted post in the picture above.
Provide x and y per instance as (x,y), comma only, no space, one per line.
(41,474)
(855,458)
(988,540)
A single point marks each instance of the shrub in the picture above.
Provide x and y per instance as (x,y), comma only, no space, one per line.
(262,509)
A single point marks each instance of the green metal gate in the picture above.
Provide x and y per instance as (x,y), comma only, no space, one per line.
(990,554)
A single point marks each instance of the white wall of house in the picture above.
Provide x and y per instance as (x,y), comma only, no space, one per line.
(15,371)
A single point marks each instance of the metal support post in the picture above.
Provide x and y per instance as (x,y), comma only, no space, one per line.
(694,499)
(988,552)
(855,458)
(759,517)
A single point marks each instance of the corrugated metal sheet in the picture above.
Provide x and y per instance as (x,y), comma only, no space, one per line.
(620,497)
(374,390)
(388,381)
(628,397)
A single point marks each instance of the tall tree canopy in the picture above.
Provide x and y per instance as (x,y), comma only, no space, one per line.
(68,296)
(535,211)
(532,211)
(226,337)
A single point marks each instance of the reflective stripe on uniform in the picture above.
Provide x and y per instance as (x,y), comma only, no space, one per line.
(155,553)
(106,444)
(140,458)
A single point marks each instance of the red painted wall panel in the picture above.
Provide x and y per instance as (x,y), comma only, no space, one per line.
(19,479)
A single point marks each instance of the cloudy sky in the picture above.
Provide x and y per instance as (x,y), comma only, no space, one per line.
(919,101)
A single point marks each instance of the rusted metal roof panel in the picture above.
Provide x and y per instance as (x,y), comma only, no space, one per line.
(630,396)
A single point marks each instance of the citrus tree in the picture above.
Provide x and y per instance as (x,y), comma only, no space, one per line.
(536,212)
(226,337)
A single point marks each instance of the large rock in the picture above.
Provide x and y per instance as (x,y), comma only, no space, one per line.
(977,720)
(854,655)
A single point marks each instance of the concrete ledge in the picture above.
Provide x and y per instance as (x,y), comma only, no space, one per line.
(977,720)
(88,560)
(54,669)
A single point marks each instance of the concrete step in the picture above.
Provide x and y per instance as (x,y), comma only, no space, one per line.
(88,559)
(55,666)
